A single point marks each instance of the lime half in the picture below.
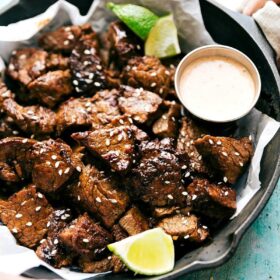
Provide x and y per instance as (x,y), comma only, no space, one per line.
(163,39)
(139,19)
(149,253)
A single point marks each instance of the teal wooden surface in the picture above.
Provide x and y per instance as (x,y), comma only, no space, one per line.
(258,254)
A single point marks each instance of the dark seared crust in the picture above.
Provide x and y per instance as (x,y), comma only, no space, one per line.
(134,222)
(140,104)
(99,195)
(214,201)
(114,145)
(227,156)
(118,232)
(35,119)
(123,43)
(184,227)
(85,237)
(51,88)
(147,72)
(156,180)
(7,127)
(26,214)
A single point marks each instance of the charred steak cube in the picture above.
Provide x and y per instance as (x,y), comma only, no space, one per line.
(85,237)
(123,43)
(214,201)
(140,104)
(26,214)
(184,227)
(100,195)
(157,178)
(51,88)
(167,124)
(227,156)
(147,72)
(114,145)
(34,119)
(134,222)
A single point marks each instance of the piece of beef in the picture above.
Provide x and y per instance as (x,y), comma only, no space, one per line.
(147,72)
(214,201)
(56,61)
(118,232)
(140,104)
(51,88)
(134,222)
(26,214)
(51,249)
(86,65)
(114,145)
(124,44)
(184,227)
(34,119)
(99,195)
(85,237)
(160,212)
(188,133)
(110,263)
(167,124)
(5,93)
(64,38)
(227,156)
(15,161)
(27,64)
(157,178)
(53,164)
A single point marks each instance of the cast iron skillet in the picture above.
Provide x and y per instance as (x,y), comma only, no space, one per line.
(241,32)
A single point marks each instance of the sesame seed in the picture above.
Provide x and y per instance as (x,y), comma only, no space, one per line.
(226,193)
(66,171)
(55,241)
(57,164)
(75,82)
(78,168)
(184,167)
(186,236)
(167,72)
(67,28)
(48,224)
(37,209)
(199,158)
(77,89)
(153,74)
(194,197)
(66,42)
(166,182)
(211,141)
(70,37)
(250,137)
(48,162)
(225,179)
(98,199)
(170,196)
(42,241)
(120,137)
(187,174)
(24,140)
(107,142)
(205,227)
(138,47)
(39,195)
(79,198)
(164,117)
(23,203)
(161,90)
(219,142)
(121,121)
(18,216)
(224,154)
(85,240)
(53,252)
(113,200)
(88,81)
(86,62)
(97,84)
(29,224)
(60,171)
(12,67)
(184,193)
(153,84)
(99,67)
(87,52)
(241,163)
(237,154)
(54,157)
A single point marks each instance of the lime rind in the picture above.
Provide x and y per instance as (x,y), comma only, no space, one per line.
(148,253)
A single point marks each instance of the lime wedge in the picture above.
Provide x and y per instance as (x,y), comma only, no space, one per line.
(149,253)
(163,39)
(139,19)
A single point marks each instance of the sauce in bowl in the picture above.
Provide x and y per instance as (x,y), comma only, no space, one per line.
(217,87)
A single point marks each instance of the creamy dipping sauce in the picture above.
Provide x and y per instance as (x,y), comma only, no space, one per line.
(217,88)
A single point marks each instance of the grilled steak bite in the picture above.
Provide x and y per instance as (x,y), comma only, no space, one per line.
(167,124)
(134,222)
(147,72)
(99,195)
(140,104)
(53,164)
(184,227)
(34,119)
(156,180)
(15,161)
(51,88)
(123,43)
(26,214)
(27,64)
(188,133)
(227,156)
(63,39)
(114,145)
(214,201)
(85,237)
